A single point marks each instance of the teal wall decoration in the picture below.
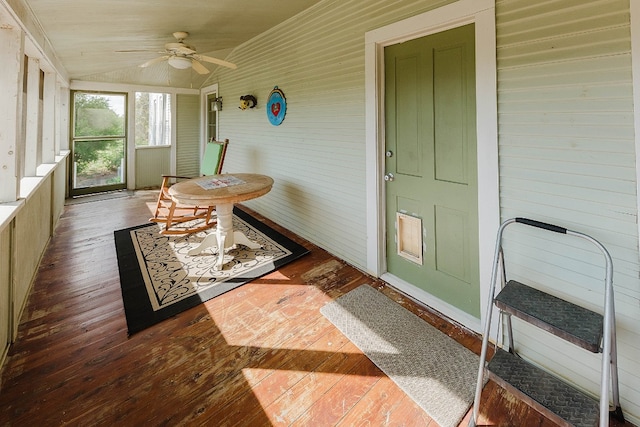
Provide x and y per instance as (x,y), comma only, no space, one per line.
(276,106)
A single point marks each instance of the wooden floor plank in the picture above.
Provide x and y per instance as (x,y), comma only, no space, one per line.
(269,382)
(310,386)
(376,406)
(259,355)
(342,397)
(210,393)
(408,414)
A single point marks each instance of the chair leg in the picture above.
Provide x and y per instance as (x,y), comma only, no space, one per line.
(172,209)
(161,199)
(208,217)
(159,204)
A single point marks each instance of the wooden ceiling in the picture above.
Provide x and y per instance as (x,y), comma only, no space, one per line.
(106,41)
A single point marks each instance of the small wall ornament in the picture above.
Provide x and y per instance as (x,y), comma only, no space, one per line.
(248,101)
(276,106)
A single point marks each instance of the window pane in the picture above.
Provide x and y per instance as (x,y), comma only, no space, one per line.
(153,119)
(212,113)
(98,162)
(99,115)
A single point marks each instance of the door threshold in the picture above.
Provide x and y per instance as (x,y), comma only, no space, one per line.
(94,197)
(443,308)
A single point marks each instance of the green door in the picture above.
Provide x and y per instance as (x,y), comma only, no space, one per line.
(431,171)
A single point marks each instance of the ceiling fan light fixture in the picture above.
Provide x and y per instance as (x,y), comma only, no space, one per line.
(180,62)
(182,56)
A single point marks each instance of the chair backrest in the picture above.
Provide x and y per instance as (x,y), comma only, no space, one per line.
(213,158)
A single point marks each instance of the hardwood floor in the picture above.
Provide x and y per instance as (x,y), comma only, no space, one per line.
(259,355)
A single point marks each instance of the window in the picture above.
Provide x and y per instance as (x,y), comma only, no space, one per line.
(152,119)
(212,115)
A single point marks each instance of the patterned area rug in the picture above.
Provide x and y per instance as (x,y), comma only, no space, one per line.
(434,370)
(160,280)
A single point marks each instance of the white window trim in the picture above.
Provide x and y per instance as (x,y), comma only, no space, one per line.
(32,134)
(49,117)
(173,162)
(482,13)
(12,40)
(635,71)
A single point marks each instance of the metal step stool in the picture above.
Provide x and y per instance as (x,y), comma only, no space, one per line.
(561,402)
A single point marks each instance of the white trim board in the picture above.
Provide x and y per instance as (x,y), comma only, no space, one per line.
(482,14)
(635,71)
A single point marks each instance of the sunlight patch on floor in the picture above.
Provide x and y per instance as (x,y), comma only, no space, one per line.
(245,320)
(286,395)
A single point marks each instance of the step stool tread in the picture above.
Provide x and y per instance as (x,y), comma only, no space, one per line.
(544,391)
(569,321)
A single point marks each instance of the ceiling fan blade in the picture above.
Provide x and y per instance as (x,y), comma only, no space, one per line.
(134,50)
(154,61)
(215,61)
(198,67)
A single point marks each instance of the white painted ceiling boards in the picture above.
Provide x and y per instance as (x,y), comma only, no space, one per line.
(107,40)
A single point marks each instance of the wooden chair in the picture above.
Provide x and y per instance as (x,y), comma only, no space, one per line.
(169,213)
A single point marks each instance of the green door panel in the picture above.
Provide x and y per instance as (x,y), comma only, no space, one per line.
(451,236)
(450,139)
(430,133)
(408,142)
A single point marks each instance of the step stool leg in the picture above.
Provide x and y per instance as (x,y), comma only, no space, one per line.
(480,383)
(483,358)
(510,333)
(615,391)
(509,325)
(497,260)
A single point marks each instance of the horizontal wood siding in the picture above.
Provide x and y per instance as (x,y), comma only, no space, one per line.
(32,232)
(317,155)
(187,135)
(151,163)
(567,156)
(59,191)
(5,291)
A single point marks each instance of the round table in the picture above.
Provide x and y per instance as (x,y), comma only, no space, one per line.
(222,191)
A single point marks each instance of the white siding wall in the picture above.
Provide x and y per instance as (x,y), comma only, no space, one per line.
(317,155)
(567,157)
(30,242)
(566,146)
(6,313)
(187,135)
(151,164)
(36,200)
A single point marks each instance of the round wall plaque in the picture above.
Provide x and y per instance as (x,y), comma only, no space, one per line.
(276,106)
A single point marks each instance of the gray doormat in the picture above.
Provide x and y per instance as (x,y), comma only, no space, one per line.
(437,372)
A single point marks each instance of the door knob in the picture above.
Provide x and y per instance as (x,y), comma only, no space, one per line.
(389,177)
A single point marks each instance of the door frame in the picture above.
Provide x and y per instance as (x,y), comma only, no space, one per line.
(82,191)
(482,14)
(204,94)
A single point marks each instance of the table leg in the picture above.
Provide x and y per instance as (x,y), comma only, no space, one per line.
(211,241)
(240,238)
(224,236)
(224,232)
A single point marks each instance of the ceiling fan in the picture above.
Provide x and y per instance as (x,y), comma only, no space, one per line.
(182,56)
